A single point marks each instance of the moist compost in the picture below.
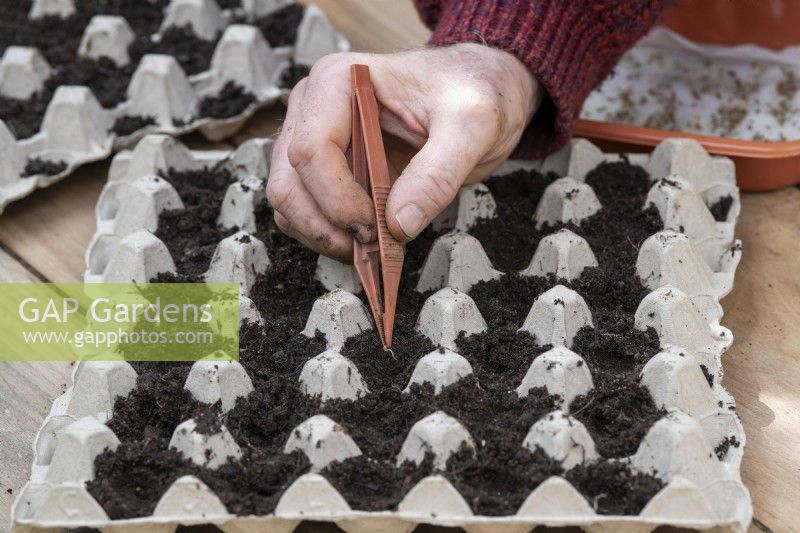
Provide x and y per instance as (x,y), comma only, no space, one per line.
(293,74)
(727,443)
(499,473)
(617,412)
(280,27)
(231,100)
(612,488)
(721,208)
(191,234)
(128,124)
(24,117)
(708,375)
(37,165)
(192,52)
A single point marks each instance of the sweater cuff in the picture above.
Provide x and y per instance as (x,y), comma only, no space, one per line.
(569,47)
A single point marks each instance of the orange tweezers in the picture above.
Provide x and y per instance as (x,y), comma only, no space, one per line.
(379,264)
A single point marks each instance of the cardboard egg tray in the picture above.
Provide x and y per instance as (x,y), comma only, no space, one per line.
(76,129)
(688,267)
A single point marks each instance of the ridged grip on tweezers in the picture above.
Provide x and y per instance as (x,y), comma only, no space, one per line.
(372,172)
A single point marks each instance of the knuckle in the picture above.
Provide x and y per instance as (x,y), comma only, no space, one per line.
(297,91)
(485,114)
(280,192)
(301,152)
(337,63)
(336,60)
(283,223)
(442,185)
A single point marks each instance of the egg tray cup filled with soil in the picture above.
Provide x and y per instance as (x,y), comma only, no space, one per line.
(557,359)
(79,80)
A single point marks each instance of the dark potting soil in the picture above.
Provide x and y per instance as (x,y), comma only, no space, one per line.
(293,74)
(614,350)
(495,478)
(280,27)
(191,234)
(508,243)
(37,165)
(145,420)
(612,488)
(158,385)
(107,81)
(510,239)
(192,52)
(708,375)
(721,207)
(231,100)
(127,124)
(208,422)
(721,450)
(55,37)
(138,473)
(24,117)
(618,412)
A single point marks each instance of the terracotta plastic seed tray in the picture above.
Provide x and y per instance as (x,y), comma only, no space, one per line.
(244,73)
(760,40)
(218,443)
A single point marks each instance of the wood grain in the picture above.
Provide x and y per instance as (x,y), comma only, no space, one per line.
(51,228)
(26,392)
(376,25)
(762,368)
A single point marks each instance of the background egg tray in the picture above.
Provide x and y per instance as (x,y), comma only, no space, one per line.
(504,403)
(79,80)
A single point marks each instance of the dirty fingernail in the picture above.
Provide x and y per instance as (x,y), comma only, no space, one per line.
(411,220)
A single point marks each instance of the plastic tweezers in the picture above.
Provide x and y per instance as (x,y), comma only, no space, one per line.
(379,264)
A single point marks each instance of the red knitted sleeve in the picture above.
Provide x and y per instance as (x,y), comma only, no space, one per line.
(569,45)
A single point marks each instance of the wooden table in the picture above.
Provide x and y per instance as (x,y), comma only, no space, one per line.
(44,237)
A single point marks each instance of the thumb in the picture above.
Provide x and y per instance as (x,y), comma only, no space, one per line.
(430,182)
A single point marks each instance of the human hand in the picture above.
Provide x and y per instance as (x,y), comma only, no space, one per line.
(464,108)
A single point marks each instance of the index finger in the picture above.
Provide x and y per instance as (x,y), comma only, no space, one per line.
(317,151)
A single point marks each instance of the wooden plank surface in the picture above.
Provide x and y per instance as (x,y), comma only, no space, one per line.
(26,393)
(762,368)
(45,236)
(51,228)
(376,25)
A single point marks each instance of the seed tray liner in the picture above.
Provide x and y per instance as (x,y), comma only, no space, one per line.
(744,92)
(687,272)
(76,129)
